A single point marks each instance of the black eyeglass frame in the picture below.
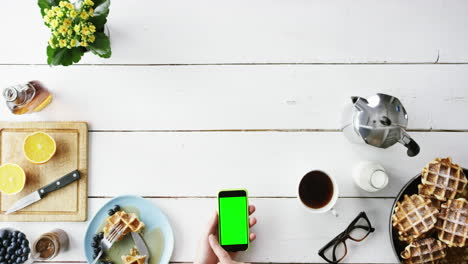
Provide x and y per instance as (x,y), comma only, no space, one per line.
(343,236)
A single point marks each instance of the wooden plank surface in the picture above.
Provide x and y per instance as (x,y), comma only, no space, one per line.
(261,31)
(67,204)
(287,233)
(241,97)
(266,163)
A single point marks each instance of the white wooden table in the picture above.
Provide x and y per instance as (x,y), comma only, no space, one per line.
(210,94)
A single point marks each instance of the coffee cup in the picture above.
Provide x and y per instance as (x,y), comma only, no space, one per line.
(318,192)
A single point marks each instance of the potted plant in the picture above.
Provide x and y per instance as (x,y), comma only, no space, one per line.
(76,28)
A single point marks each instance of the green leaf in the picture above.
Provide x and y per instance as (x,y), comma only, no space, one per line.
(43,4)
(101,45)
(63,56)
(101,10)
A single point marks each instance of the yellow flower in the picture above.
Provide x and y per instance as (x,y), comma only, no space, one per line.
(56,33)
(73,14)
(76,28)
(70,6)
(92,38)
(54,23)
(70,32)
(84,15)
(91,12)
(51,13)
(92,28)
(56,9)
(67,22)
(85,31)
(89,2)
(63,30)
(84,43)
(73,42)
(51,42)
(47,19)
(62,3)
(60,14)
(62,43)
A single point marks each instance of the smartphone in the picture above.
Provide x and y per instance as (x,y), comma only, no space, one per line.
(233,213)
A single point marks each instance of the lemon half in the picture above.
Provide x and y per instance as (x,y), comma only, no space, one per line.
(12,178)
(39,147)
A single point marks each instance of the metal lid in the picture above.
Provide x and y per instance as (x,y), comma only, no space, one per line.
(379,119)
(10,94)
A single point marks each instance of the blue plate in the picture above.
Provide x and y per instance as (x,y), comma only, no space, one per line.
(150,214)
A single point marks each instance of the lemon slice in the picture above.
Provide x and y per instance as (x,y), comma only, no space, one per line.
(12,178)
(39,147)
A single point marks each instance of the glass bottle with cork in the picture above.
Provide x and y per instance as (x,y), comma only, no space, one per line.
(27,98)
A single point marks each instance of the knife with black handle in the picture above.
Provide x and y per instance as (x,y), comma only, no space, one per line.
(42,192)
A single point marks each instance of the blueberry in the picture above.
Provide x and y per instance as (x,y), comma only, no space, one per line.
(2,258)
(10,250)
(3,262)
(2,251)
(25,243)
(94,256)
(4,234)
(110,212)
(94,244)
(19,252)
(21,235)
(15,233)
(6,243)
(96,250)
(96,239)
(116,208)
(24,258)
(26,250)
(7,256)
(13,245)
(101,235)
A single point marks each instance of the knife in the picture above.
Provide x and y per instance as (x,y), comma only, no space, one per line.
(141,246)
(42,192)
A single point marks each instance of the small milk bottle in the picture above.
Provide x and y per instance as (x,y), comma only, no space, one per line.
(370,176)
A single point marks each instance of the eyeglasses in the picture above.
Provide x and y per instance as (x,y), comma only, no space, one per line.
(336,250)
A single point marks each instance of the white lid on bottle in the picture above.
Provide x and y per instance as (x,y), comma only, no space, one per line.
(379,179)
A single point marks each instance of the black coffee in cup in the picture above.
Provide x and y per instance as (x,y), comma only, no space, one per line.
(316,189)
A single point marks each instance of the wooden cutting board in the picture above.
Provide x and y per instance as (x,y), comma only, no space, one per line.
(67,204)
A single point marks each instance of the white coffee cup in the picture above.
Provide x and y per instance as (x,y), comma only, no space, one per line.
(318,192)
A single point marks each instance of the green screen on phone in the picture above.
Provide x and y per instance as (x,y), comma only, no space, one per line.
(233,220)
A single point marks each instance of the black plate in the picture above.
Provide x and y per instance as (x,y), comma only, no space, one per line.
(410,188)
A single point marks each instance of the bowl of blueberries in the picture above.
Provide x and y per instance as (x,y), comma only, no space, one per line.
(14,247)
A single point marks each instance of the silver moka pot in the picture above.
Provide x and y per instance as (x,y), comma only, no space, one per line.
(379,120)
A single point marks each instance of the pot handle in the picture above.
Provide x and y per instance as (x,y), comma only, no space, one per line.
(413,148)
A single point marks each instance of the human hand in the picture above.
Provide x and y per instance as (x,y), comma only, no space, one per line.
(205,252)
(223,255)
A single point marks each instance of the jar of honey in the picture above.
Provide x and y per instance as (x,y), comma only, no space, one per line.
(27,98)
(50,244)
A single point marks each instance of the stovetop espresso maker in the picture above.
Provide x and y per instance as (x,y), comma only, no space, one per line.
(379,120)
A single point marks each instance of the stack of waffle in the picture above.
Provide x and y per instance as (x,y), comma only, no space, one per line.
(133,258)
(439,207)
(130,222)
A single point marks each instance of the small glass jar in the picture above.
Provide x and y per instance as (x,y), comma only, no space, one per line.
(48,245)
(27,98)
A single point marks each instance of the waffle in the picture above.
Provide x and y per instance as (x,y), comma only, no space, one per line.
(456,255)
(133,258)
(442,179)
(452,224)
(413,217)
(424,251)
(130,221)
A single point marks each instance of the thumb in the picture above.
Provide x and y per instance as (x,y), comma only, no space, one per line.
(222,254)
